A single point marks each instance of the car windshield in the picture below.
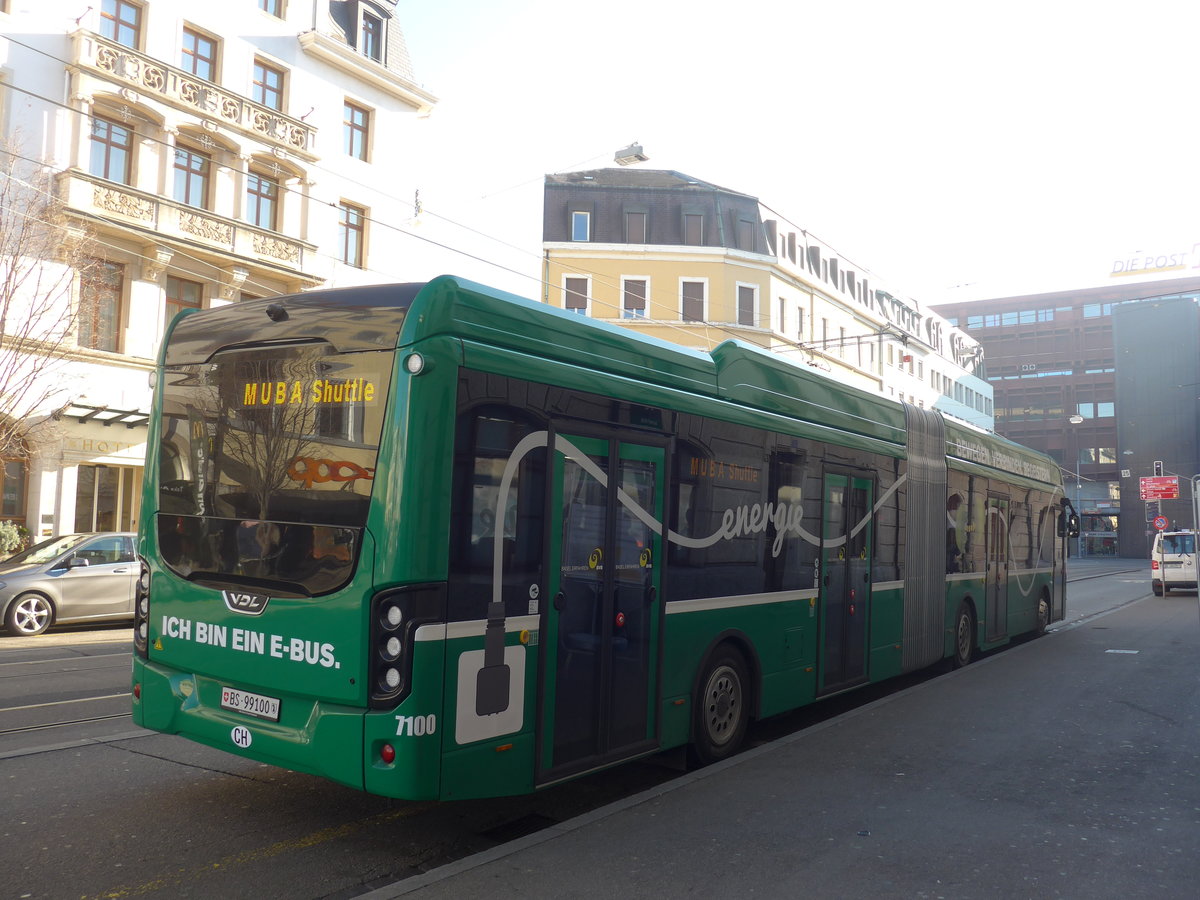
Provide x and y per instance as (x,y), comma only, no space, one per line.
(48,549)
(1179,543)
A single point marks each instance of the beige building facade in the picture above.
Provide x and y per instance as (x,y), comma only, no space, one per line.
(689,262)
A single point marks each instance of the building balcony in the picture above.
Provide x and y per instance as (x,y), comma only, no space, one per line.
(166,221)
(147,77)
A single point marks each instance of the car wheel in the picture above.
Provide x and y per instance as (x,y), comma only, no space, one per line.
(721,707)
(29,614)
(964,635)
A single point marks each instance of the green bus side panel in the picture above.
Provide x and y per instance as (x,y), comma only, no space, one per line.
(180,703)
(498,765)
(887,634)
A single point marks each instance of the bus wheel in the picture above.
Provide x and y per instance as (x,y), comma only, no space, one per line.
(722,707)
(1043,616)
(964,635)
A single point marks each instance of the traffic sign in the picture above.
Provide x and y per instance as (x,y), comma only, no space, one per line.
(1159,487)
(1160,523)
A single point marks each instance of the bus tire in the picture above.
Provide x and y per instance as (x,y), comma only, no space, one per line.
(722,707)
(29,614)
(1043,615)
(964,635)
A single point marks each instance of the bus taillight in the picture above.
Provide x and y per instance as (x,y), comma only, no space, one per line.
(141,612)
(395,617)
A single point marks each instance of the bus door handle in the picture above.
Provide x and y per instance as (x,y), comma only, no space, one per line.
(651,595)
(560,600)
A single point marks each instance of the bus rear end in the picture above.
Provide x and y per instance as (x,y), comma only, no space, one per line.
(260,630)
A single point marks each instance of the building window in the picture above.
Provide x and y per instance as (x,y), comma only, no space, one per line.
(355,130)
(112,148)
(268,85)
(691,295)
(262,200)
(371,36)
(745,234)
(192,173)
(12,487)
(693,229)
(100,291)
(633,297)
(581,226)
(746,301)
(121,21)
(274,7)
(635,227)
(575,295)
(105,500)
(352,225)
(199,55)
(183,294)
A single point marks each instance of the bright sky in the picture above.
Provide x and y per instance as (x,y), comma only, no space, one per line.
(954,148)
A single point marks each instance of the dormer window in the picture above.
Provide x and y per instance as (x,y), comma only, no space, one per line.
(371,36)
(581,226)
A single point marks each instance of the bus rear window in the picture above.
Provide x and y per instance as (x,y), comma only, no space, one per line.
(267,460)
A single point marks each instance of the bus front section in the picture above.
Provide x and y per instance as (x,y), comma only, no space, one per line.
(260,630)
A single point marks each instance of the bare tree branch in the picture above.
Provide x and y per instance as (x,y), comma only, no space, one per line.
(42,253)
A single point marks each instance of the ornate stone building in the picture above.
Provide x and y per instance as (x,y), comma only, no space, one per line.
(203,153)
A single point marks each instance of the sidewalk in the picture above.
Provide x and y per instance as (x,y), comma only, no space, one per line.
(1066,766)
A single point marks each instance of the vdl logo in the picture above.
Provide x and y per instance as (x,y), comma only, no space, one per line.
(241,736)
(243,602)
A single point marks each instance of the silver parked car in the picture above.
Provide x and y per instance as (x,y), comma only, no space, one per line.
(71,578)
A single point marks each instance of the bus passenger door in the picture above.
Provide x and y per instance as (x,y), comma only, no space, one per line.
(997,568)
(846,550)
(600,669)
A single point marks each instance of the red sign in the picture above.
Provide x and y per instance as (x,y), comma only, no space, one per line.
(1160,487)
(1160,522)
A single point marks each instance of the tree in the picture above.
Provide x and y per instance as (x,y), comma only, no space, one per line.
(42,252)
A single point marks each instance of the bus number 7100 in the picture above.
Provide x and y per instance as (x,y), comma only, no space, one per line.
(416,726)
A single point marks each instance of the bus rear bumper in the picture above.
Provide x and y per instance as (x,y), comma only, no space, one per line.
(189,705)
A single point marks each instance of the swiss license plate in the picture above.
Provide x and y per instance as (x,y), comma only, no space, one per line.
(250,704)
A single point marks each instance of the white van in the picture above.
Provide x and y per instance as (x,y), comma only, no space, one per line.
(1173,561)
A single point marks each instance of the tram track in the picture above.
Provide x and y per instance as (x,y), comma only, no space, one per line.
(23,729)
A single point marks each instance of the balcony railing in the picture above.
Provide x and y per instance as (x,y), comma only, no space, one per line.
(167,219)
(143,74)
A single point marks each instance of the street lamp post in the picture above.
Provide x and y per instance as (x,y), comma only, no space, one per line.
(1078,420)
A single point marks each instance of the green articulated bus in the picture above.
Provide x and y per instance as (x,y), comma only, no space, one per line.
(435,541)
